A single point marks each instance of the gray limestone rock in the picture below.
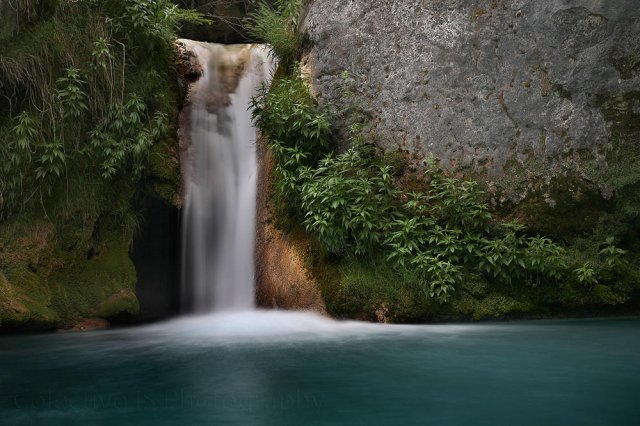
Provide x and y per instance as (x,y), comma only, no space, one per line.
(484,85)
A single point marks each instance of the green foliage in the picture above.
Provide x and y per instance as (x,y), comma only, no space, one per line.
(586,275)
(611,255)
(98,76)
(149,25)
(26,135)
(352,206)
(347,201)
(298,131)
(23,140)
(121,142)
(350,112)
(427,241)
(101,55)
(70,96)
(276,26)
(51,161)
(288,115)
(448,229)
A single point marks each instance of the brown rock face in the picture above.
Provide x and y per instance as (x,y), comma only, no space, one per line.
(282,280)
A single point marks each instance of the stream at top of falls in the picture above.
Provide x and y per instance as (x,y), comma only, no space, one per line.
(229,364)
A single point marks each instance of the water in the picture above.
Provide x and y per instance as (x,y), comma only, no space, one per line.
(220,200)
(274,368)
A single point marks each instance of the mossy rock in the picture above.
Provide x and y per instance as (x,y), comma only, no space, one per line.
(494,305)
(371,290)
(25,306)
(605,295)
(47,281)
(98,286)
(25,256)
(123,301)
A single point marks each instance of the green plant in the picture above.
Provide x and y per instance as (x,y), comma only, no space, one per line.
(51,161)
(347,202)
(288,115)
(16,181)
(439,275)
(121,142)
(276,26)
(611,255)
(70,95)
(93,68)
(26,137)
(298,132)
(586,275)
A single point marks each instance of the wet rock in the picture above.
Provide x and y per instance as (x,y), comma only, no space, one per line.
(283,280)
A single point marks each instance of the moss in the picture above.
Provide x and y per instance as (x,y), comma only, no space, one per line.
(47,279)
(585,188)
(362,288)
(605,295)
(97,286)
(494,305)
(25,256)
(164,171)
(478,12)
(123,301)
(627,65)
(397,160)
(563,205)
(621,165)
(24,301)
(617,168)
(562,92)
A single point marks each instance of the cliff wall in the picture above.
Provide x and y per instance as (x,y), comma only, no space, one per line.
(540,99)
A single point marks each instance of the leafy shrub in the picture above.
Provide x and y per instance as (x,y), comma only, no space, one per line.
(98,77)
(611,255)
(121,142)
(51,162)
(347,201)
(289,116)
(586,274)
(70,96)
(276,26)
(297,129)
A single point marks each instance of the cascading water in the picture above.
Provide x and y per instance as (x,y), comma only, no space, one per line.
(218,230)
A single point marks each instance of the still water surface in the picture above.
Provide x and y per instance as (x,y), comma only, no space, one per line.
(272,368)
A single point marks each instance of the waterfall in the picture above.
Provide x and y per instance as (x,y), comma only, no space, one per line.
(219,211)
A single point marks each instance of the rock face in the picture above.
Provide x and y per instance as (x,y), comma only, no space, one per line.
(283,281)
(57,276)
(513,91)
